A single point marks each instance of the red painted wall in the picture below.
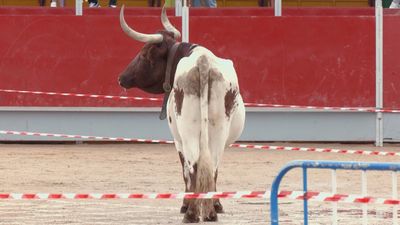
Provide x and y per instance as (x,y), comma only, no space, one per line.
(391,61)
(305,60)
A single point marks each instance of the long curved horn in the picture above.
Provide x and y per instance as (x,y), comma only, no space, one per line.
(167,25)
(147,38)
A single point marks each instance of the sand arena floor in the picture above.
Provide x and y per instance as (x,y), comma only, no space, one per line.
(143,168)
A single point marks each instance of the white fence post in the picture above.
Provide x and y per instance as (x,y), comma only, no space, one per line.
(379,71)
(395,196)
(185,22)
(178,8)
(364,193)
(78,8)
(334,204)
(278,7)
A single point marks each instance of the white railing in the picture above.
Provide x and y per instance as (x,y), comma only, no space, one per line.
(78,7)
(277,7)
(379,71)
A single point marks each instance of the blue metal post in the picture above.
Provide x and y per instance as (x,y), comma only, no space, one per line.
(274,210)
(305,201)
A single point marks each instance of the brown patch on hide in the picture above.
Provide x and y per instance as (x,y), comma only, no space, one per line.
(230,98)
(190,82)
(178,94)
(215,77)
(193,178)
(182,159)
(203,65)
(215,178)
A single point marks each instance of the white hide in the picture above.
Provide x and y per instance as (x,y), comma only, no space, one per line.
(222,130)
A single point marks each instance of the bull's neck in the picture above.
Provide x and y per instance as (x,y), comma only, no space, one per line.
(176,52)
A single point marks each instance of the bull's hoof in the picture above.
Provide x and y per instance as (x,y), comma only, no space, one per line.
(212,217)
(191,217)
(218,207)
(184,208)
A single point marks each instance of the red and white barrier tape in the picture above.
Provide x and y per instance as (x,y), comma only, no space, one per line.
(208,195)
(24,133)
(310,149)
(297,195)
(265,147)
(331,197)
(82,95)
(348,109)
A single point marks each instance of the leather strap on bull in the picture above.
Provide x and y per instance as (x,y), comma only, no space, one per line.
(176,53)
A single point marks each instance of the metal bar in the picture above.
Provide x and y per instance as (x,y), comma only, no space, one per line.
(379,70)
(178,8)
(395,196)
(334,204)
(305,201)
(78,8)
(364,193)
(274,211)
(379,130)
(278,7)
(364,166)
(185,23)
(345,165)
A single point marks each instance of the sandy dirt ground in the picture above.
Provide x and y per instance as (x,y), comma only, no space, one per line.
(144,168)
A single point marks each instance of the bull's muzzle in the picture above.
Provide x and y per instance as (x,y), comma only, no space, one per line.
(124,82)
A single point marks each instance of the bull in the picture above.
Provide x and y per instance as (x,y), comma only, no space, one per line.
(202,102)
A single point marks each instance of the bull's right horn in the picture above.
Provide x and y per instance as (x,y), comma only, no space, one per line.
(167,25)
(147,38)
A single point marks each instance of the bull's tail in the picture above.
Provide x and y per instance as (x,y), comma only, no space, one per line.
(205,175)
(204,169)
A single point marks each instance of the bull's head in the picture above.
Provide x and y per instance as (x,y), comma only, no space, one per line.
(147,69)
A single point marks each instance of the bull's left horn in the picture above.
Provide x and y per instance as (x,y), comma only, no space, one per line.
(147,38)
(167,25)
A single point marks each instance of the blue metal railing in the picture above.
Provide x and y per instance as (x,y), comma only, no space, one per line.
(333,165)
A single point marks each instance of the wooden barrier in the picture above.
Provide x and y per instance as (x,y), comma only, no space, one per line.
(302,60)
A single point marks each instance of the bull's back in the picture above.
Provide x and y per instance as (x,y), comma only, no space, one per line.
(225,113)
(222,89)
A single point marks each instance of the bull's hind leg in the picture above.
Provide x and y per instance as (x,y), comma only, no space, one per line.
(185,203)
(217,204)
(192,212)
(205,183)
(190,206)
(209,213)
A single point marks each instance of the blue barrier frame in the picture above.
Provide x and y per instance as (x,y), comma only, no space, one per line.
(309,164)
